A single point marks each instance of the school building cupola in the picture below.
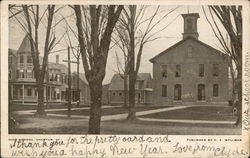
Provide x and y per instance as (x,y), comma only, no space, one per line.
(190,25)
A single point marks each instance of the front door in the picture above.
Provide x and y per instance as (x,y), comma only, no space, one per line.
(177,92)
(201,92)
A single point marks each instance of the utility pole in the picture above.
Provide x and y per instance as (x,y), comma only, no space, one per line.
(69,80)
(77,84)
(69,84)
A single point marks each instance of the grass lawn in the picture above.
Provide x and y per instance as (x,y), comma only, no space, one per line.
(105,111)
(196,113)
(79,126)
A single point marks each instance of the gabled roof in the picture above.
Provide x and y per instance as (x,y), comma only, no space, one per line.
(12,52)
(83,77)
(25,45)
(143,76)
(182,41)
(63,68)
(117,82)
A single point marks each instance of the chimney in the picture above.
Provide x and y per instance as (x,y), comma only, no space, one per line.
(57,59)
(190,25)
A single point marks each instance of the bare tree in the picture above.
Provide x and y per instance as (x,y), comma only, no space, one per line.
(30,22)
(123,73)
(230,17)
(134,31)
(95,25)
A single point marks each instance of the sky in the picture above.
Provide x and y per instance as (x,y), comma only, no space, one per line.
(168,37)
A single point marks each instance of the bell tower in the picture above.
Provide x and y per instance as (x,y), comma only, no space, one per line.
(190,25)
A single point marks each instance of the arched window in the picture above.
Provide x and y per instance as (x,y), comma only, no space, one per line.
(190,51)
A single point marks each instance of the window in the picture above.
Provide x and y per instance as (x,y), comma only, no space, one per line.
(51,77)
(57,93)
(17,73)
(215,90)
(113,93)
(55,78)
(10,75)
(21,73)
(62,78)
(178,71)
(120,94)
(54,93)
(29,74)
(29,59)
(189,51)
(164,71)
(177,92)
(164,90)
(201,70)
(58,78)
(66,80)
(215,69)
(21,59)
(29,92)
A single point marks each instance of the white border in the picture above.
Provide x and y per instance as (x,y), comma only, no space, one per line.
(4,63)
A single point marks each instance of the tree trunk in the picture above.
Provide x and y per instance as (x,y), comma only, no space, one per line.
(40,93)
(131,113)
(125,91)
(95,107)
(233,97)
(239,91)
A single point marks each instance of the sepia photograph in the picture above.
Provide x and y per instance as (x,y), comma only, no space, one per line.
(124,69)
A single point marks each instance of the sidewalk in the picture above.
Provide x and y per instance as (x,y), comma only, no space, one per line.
(187,121)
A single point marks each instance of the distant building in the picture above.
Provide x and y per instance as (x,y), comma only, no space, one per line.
(12,74)
(190,71)
(84,90)
(22,87)
(143,89)
(22,84)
